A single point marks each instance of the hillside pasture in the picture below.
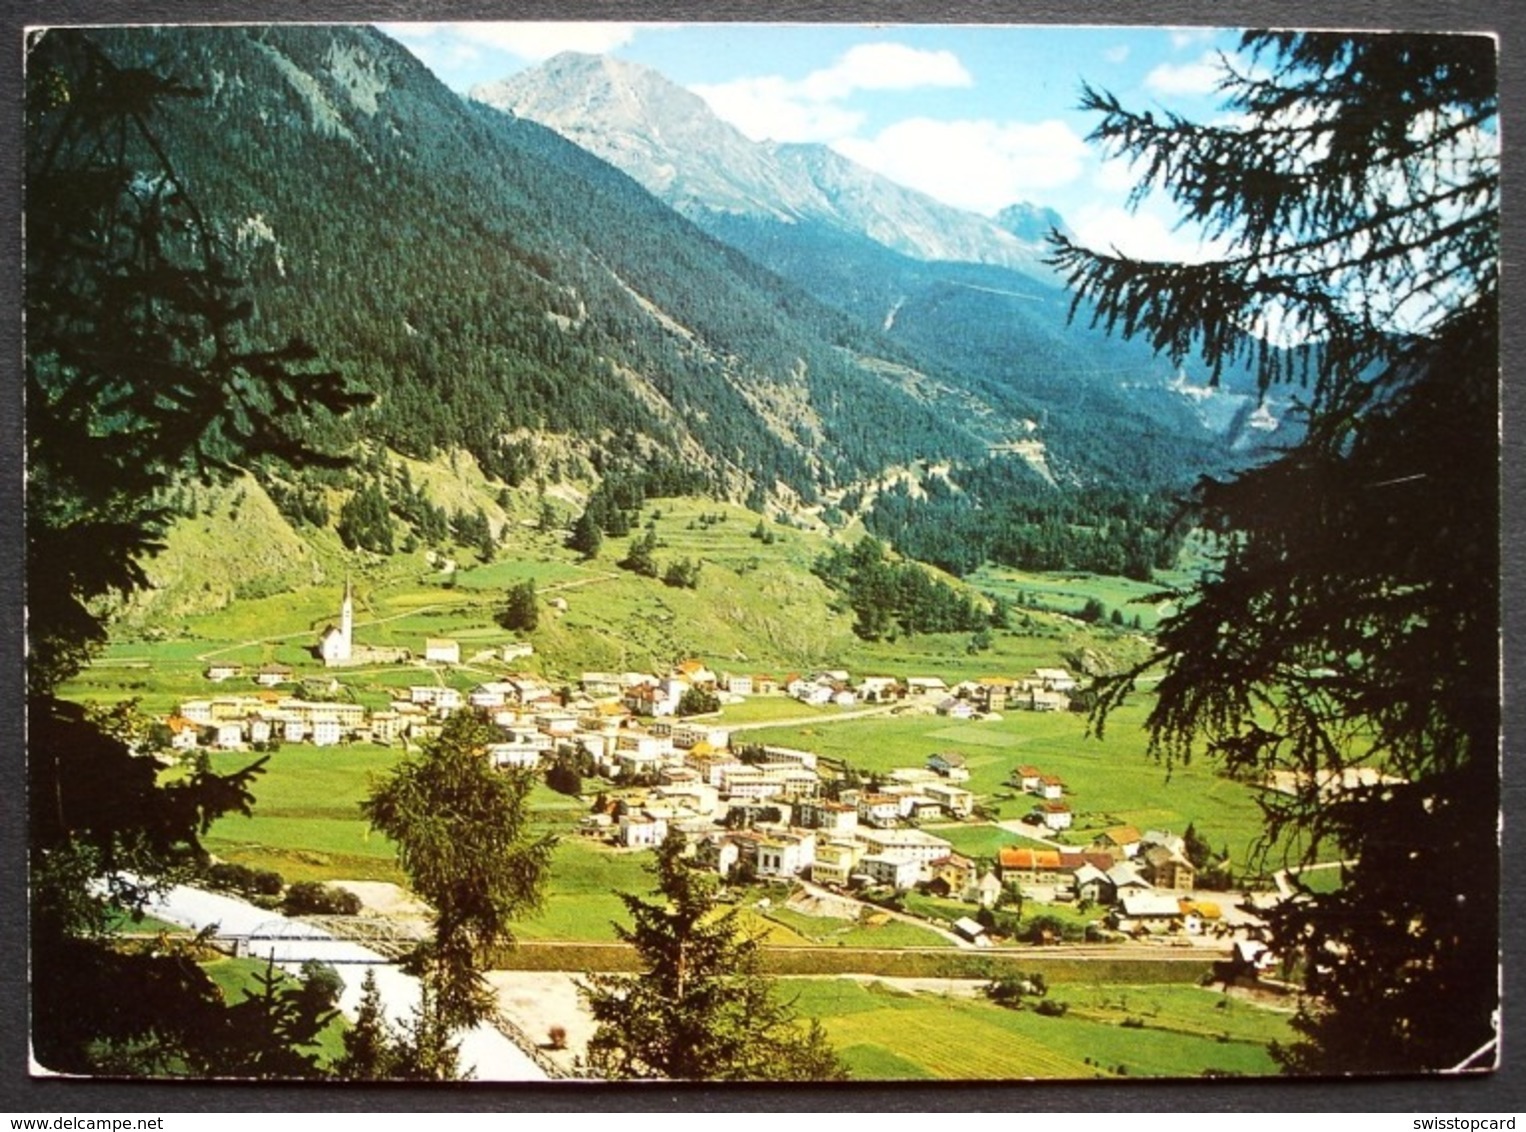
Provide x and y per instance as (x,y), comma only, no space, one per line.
(888,1033)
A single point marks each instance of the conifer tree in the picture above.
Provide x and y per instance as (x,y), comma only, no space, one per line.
(141,376)
(463,838)
(370,1052)
(586,538)
(521,610)
(700,1010)
(1347,640)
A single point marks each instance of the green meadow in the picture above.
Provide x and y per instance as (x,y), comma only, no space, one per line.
(1109,779)
(885,1033)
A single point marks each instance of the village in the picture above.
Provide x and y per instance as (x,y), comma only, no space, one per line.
(754,812)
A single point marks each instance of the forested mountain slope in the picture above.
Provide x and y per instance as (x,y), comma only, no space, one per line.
(490,281)
(955,288)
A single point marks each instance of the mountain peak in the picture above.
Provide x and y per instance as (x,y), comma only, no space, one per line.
(669,140)
(664,136)
(1031,222)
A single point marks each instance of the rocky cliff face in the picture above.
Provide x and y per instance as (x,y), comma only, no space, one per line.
(668,139)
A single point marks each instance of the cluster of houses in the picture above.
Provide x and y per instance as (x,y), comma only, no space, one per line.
(1047,689)
(1144,878)
(1051,810)
(773,814)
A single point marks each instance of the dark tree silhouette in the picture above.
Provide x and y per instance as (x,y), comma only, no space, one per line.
(700,1010)
(1347,640)
(139,376)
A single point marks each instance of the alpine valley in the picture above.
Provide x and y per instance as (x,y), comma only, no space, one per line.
(768,324)
(657,421)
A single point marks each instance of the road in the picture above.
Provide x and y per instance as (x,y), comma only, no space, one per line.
(832,717)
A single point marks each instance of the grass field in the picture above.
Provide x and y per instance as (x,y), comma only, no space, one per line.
(885,1033)
(307,823)
(1109,780)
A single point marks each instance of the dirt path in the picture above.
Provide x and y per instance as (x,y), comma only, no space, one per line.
(835,717)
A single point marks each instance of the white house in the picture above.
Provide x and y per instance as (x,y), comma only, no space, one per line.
(905,844)
(489,695)
(442,650)
(832,817)
(642,831)
(337,643)
(955,708)
(897,873)
(772,755)
(816,695)
(877,688)
(386,726)
(1126,880)
(1057,816)
(272,675)
(785,854)
(986,891)
(184,735)
(326,731)
(1091,883)
(197,711)
(834,862)
(879,809)
(1055,679)
(956,801)
(686,735)
(751,785)
(601,685)
(651,700)
(694,674)
(443,700)
(230,736)
(513,756)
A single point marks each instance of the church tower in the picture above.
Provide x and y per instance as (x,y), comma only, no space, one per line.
(347,620)
(336,645)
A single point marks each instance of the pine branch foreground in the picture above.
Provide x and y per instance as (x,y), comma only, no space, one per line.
(701,1010)
(1343,651)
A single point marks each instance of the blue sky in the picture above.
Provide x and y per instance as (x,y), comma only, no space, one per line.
(979,116)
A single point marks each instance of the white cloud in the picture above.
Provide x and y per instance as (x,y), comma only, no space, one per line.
(980,165)
(1187,37)
(808,109)
(885,66)
(532,41)
(769,108)
(1117,54)
(1115,176)
(1143,234)
(1199,77)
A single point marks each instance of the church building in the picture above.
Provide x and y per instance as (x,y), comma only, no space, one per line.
(337,645)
